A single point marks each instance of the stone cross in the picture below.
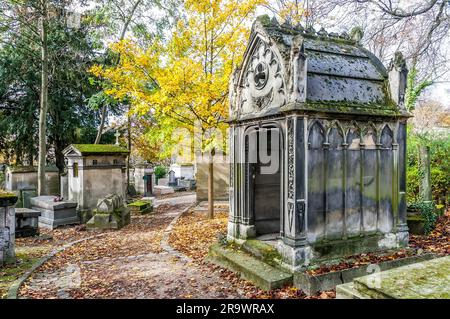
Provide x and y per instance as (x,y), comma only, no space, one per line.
(117,134)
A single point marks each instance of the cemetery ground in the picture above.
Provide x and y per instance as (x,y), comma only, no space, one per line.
(159,255)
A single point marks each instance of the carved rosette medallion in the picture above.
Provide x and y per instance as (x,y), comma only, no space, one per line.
(262,85)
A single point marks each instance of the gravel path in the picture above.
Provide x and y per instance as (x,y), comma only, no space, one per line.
(141,269)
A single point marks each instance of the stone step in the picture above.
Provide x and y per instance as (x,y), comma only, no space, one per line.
(348,291)
(250,268)
(263,251)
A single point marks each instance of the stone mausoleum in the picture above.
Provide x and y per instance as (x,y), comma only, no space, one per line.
(95,171)
(338,121)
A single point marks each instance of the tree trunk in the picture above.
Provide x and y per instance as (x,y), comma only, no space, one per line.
(425,183)
(122,36)
(102,124)
(129,146)
(211,187)
(43,100)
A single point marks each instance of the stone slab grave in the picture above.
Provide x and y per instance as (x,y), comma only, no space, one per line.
(422,280)
(141,207)
(55,213)
(111,213)
(27,222)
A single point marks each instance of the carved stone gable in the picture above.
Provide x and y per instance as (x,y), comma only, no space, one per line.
(263,84)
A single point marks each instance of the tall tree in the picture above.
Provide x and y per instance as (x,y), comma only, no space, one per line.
(183,83)
(43,98)
(70,51)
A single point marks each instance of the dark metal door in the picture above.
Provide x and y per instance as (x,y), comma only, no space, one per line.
(266,198)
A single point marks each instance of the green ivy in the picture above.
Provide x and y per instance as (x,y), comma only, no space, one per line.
(428,212)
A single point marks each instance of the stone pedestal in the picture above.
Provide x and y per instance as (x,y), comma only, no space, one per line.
(7,227)
(27,222)
(54,214)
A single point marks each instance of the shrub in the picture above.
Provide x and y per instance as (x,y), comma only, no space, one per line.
(160,172)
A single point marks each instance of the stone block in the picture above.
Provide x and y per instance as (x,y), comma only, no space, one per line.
(110,214)
(7,227)
(141,207)
(163,190)
(27,222)
(250,268)
(84,215)
(54,214)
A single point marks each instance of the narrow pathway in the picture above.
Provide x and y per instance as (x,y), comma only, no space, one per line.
(128,263)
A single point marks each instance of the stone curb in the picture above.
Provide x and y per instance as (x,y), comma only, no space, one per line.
(165,239)
(14,288)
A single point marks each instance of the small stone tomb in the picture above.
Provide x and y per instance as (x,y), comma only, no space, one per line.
(141,207)
(55,213)
(172,179)
(110,214)
(94,171)
(27,222)
(7,227)
(144,180)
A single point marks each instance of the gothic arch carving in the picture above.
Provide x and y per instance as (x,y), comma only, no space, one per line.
(262,79)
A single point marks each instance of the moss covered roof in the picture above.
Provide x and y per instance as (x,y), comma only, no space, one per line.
(5,194)
(99,149)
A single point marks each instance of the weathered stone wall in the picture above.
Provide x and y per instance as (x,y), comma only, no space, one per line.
(27,178)
(7,233)
(95,181)
(351,179)
(186,171)
(221,181)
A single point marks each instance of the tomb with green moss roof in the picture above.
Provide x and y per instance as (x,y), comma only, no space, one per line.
(93,172)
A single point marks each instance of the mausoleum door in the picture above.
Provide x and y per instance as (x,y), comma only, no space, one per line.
(266,195)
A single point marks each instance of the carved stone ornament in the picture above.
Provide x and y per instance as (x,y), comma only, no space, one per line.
(262,84)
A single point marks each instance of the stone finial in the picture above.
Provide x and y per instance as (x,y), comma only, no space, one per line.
(398,74)
(299,27)
(310,30)
(274,21)
(356,34)
(287,24)
(117,135)
(322,32)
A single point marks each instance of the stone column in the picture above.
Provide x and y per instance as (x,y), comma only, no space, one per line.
(7,228)
(293,245)
(402,226)
(235,189)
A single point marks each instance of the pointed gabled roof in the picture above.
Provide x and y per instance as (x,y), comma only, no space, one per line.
(288,67)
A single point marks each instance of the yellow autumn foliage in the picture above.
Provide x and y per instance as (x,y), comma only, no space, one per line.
(183,81)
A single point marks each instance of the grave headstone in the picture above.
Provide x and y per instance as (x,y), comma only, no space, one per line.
(172,179)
